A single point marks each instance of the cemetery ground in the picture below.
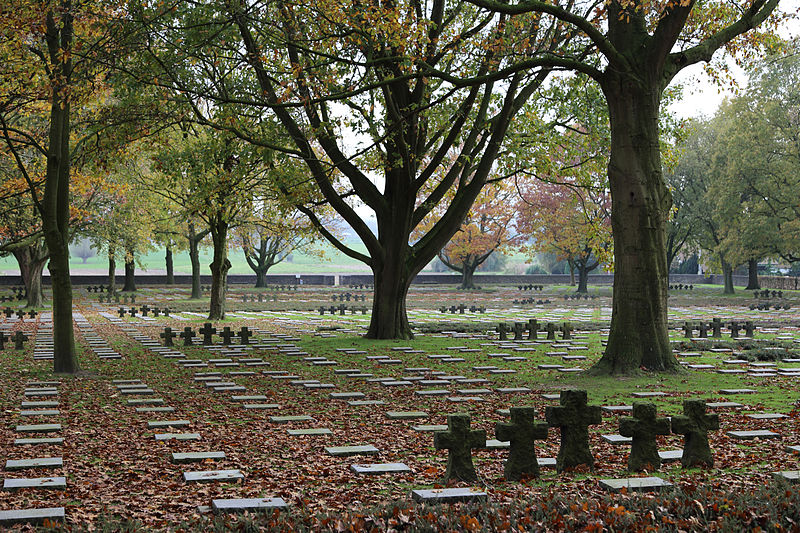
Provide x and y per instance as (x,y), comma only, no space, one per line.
(165,437)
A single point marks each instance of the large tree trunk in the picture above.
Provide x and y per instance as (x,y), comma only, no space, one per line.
(55,200)
(640,205)
(571,265)
(389,319)
(583,278)
(727,276)
(170,267)
(261,278)
(194,257)
(219,271)
(468,275)
(112,273)
(31,264)
(130,275)
(752,275)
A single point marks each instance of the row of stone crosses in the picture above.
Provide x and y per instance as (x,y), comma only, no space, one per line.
(716,326)
(342,308)
(527,301)
(208,332)
(767,306)
(9,312)
(346,297)
(680,287)
(117,298)
(530,287)
(19,295)
(532,327)
(18,338)
(573,416)
(257,297)
(144,310)
(461,308)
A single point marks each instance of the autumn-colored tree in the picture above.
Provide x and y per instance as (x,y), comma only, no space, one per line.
(487,229)
(640,46)
(354,92)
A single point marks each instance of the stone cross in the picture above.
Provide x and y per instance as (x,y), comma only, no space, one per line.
(551,331)
(716,328)
(695,424)
(121,312)
(461,308)
(643,427)
(688,329)
(749,329)
(21,315)
(3,339)
(133,298)
(735,327)
(226,335)
(166,311)
(132,311)
(168,335)
(156,312)
(574,417)
(703,329)
(519,331)
(207,331)
(521,432)
(533,328)
(145,309)
(260,297)
(332,309)
(19,339)
(187,335)
(502,330)
(321,310)
(32,313)
(244,297)
(459,439)
(244,335)
(566,331)
(8,312)
(342,309)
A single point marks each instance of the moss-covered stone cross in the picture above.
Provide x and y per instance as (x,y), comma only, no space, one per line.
(459,439)
(643,427)
(521,432)
(574,417)
(694,425)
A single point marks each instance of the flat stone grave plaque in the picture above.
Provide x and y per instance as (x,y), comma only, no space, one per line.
(240,505)
(448,495)
(473,392)
(430,427)
(39,440)
(380,468)
(513,390)
(261,406)
(654,394)
(309,432)
(363,403)
(155,409)
(617,439)
(345,395)
(39,462)
(40,412)
(736,391)
(254,398)
(432,392)
(792,476)
(285,419)
(721,405)
(766,416)
(347,451)
(635,484)
(35,483)
(212,475)
(670,456)
(406,415)
(616,408)
(158,424)
(494,444)
(31,516)
(177,436)
(146,401)
(549,396)
(757,434)
(43,403)
(192,457)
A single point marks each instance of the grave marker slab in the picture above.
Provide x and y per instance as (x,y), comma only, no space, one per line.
(635,484)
